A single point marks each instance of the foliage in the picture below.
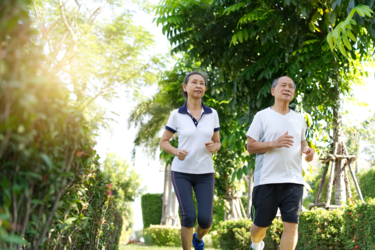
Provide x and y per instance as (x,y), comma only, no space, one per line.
(367,183)
(95,56)
(152,205)
(162,236)
(236,235)
(125,182)
(249,44)
(321,229)
(52,192)
(350,227)
(169,236)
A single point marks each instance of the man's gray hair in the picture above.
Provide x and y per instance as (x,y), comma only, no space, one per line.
(274,83)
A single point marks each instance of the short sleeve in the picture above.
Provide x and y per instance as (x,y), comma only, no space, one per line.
(303,132)
(172,123)
(255,128)
(217,124)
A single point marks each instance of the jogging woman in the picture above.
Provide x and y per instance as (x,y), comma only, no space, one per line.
(197,127)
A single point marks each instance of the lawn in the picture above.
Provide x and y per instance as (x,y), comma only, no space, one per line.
(137,247)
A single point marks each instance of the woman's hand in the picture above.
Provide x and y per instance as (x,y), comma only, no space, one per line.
(211,147)
(181,154)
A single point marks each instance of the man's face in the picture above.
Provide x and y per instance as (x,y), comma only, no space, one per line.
(284,90)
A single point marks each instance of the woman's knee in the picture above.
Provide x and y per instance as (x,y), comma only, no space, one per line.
(204,222)
(188,220)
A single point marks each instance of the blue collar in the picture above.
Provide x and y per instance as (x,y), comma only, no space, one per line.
(183,109)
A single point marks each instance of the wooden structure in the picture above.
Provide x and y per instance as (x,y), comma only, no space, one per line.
(340,154)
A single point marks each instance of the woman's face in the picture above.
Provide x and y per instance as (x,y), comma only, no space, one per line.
(195,87)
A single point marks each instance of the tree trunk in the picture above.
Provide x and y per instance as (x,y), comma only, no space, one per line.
(170,204)
(250,193)
(340,192)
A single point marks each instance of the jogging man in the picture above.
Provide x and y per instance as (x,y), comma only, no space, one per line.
(277,137)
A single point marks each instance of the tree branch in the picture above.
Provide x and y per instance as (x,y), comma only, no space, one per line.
(66,22)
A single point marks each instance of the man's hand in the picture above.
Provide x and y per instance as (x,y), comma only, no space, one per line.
(284,141)
(309,152)
(211,146)
(181,154)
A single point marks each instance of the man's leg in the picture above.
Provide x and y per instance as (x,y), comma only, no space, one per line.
(258,233)
(290,236)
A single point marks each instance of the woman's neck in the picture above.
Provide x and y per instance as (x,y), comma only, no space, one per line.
(194,104)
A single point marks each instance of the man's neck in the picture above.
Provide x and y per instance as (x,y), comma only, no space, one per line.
(281,107)
(194,104)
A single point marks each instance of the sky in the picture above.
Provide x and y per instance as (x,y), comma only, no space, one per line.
(120,139)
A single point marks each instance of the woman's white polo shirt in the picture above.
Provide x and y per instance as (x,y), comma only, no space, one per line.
(192,136)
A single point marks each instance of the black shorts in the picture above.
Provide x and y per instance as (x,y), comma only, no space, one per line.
(268,198)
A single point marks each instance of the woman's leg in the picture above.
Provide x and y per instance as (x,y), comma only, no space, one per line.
(204,192)
(183,188)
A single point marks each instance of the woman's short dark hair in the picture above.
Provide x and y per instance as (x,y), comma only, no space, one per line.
(186,80)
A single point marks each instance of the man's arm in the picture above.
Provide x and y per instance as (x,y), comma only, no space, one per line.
(256,147)
(308,151)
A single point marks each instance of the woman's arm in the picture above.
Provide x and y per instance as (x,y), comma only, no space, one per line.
(214,145)
(167,147)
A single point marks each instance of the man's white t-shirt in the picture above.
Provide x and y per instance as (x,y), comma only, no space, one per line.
(192,136)
(279,165)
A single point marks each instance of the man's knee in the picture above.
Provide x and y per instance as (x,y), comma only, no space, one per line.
(204,222)
(255,229)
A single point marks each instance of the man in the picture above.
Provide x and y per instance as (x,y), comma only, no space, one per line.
(277,136)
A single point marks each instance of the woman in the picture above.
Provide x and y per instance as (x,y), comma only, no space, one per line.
(197,127)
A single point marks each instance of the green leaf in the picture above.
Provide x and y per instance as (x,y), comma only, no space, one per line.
(347,43)
(15,239)
(70,220)
(47,160)
(239,174)
(351,36)
(234,176)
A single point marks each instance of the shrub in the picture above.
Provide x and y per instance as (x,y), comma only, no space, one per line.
(162,236)
(320,229)
(167,236)
(358,230)
(236,235)
(151,209)
(367,183)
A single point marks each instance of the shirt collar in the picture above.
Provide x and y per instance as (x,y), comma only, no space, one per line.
(184,110)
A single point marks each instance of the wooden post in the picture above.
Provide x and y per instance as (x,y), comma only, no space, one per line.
(319,196)
(347,185)
(332,173)
(355,181)
(353,175)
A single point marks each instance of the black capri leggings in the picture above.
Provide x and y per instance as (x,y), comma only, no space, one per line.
(203,185)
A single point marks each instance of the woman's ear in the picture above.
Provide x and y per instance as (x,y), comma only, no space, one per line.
(184,87)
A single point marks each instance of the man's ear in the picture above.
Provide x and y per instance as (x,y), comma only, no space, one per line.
(273,92)
(184,87)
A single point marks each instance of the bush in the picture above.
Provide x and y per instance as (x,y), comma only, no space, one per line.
(320,229)
(162,236)
(367,183)
(350,227)
(171,237)
(151,209)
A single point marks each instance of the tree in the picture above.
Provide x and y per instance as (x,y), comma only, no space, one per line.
(92,55)
(125,186)
(249,44)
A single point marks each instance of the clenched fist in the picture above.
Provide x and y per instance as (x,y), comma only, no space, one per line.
(309,152)
(284,141)
(211,147)
(181,154)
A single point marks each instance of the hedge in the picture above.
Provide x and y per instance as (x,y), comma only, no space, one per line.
(151,209)
(168,236)
(350,227)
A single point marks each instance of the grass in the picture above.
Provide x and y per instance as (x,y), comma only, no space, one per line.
(136,247)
